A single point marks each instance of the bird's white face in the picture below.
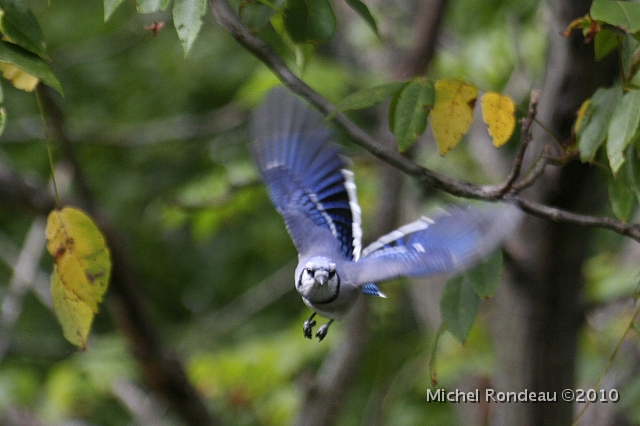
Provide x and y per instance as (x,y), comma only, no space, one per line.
(319,280)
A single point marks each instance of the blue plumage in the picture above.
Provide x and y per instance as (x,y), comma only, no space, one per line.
(314,192)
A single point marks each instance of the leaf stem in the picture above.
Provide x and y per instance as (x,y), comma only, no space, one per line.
(49,143)
(432,358)
(610,361)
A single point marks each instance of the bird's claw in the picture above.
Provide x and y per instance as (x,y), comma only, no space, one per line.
(307,328)
(322,332)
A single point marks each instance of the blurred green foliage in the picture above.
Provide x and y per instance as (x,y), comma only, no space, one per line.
(163,142)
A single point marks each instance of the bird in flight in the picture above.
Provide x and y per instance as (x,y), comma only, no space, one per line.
(310,186)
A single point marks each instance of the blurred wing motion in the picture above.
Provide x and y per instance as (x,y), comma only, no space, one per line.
(448,243)
(306,178)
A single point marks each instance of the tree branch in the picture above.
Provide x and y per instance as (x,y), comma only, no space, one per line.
(229,20)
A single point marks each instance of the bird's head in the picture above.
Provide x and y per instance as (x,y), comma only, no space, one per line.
(319,281)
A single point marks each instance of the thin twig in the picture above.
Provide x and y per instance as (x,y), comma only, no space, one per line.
(524,143)
(534,173)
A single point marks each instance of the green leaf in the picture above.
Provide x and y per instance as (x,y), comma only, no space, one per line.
(110,6)
(362,10)
(18,24)
(256,15)
(623,128)
(458,307)
(150,6)
(593,128)
(604,42)
(485,277)
(29,63)
(632,165)
(411,110)
(622,14)
(370,96)
(187,18)
(309,21)
(81,271)
(621,196)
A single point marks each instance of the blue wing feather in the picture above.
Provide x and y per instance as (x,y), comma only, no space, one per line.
(448,244)
(305,174)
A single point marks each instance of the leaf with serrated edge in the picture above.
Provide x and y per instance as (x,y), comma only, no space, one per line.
(623,128)
(498,113)
(82,267)
(458,307)
(452,112)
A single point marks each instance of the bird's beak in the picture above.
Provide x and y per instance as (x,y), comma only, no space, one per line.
(322,277)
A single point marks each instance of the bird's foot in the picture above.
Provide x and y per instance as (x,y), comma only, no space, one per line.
(307,328)
(322,331)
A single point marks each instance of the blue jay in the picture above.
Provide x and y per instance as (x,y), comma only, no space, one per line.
(312,189)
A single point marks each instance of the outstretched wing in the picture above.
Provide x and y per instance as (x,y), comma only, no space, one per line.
(448,243)
(306,177)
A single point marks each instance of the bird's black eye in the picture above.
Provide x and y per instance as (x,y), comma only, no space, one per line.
(309,271)
(332,274)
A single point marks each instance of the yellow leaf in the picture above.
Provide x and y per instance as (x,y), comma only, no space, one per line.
(452,112)
(18,78)
(81,271)
(498,112)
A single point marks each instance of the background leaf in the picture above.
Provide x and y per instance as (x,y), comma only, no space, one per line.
(150,6)
(621,196)
(592,128)
(498,112)
(623,14)
(187,18)
(370,96)
(110,6)
(623,128)
(361,9)
(452,112)
(604,42)
(20,79)
(485,277)
(18,24)
(309,21)
(29,63)
(458,307)
(410,111)
(81,271)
